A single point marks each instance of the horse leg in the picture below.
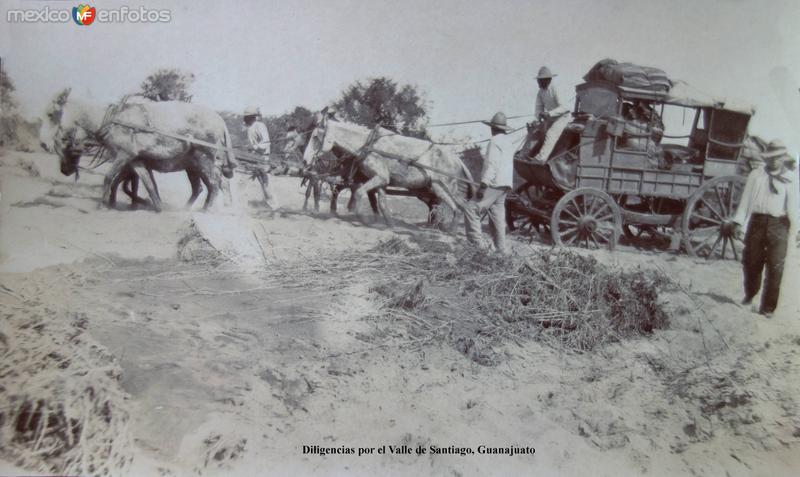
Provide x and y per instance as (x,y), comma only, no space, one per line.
(111,180)
(309,189)
(351,204)
(443,195)
(127,181)
(377,199)
(374,183)
(373,201)
(131,188)
(121,179)
(155,187)
(432,213)
(209,177)
(132,182)
(150,185)
(194,182)
(317,193)
(225,186)
(335,190)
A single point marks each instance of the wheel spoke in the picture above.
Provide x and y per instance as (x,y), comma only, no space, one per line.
(731,191)
(700,230)
(713,247)
(603,218)
(733,247)
(564,233)
(599,210)
(572,240)
(571,214)
(712,209)
(724,246)
(591,209)
(598,236)
(606,234)
(707,219)
(720,201)
(702,242)
(577,207)
(594,241)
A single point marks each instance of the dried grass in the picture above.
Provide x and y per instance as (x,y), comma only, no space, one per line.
(64,411)
(477,301)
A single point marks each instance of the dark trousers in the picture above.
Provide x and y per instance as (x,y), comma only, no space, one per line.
(765,244)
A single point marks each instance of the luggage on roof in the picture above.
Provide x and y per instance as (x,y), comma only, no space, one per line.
(629,75)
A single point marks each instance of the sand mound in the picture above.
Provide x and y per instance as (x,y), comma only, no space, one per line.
(64,411)
(213,239)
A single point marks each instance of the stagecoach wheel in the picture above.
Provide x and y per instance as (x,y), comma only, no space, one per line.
(518,208)
(587,218)
(708,231)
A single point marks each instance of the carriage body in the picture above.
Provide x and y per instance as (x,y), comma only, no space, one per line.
(619,155)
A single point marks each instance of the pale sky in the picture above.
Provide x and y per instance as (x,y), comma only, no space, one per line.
(469,58)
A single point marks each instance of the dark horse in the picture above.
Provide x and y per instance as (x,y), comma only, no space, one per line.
(137,151)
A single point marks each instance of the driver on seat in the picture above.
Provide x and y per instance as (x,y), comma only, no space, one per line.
(549,111)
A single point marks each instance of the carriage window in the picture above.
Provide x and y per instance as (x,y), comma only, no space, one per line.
(728,129)
(599,102)
(678,122)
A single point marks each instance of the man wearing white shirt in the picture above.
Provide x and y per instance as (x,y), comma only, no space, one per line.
(496,180)
(549,112)
(769,208)
(258,138)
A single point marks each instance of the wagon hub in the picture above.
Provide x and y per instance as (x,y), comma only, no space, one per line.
(587,224)
(727,229)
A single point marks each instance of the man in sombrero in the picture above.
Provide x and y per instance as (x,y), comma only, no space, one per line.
(259,143)
(769,208)
(496,180)
(549,112)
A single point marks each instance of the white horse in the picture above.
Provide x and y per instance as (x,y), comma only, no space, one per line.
(73,125)
(389,159)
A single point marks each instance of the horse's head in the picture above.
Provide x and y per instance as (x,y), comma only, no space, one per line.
(318,142)
(60,132)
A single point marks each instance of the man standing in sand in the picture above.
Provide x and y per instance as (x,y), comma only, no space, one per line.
(496,180)
(551,114)
(258,138)
(769,208)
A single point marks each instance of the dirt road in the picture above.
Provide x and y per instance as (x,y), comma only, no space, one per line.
(232,365)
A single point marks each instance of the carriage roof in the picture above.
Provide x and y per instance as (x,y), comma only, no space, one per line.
(680,94)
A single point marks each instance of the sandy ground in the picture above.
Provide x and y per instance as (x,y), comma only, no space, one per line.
(232,367)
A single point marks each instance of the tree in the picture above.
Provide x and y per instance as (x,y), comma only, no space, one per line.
(7,89)
(168,85)
(300,118)
(399,108)
(15,131)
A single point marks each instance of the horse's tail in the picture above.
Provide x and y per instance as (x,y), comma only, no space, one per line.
(229,160)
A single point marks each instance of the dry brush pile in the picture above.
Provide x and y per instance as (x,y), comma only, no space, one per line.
(63,409)
(477,301)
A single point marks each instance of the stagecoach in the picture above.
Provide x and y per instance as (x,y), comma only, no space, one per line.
(617,167)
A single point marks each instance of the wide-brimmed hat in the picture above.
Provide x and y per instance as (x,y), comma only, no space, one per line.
(777,150)
(544,72)
(498,121)
(251,111)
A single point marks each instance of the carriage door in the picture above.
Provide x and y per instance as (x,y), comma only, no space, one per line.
(726,132)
